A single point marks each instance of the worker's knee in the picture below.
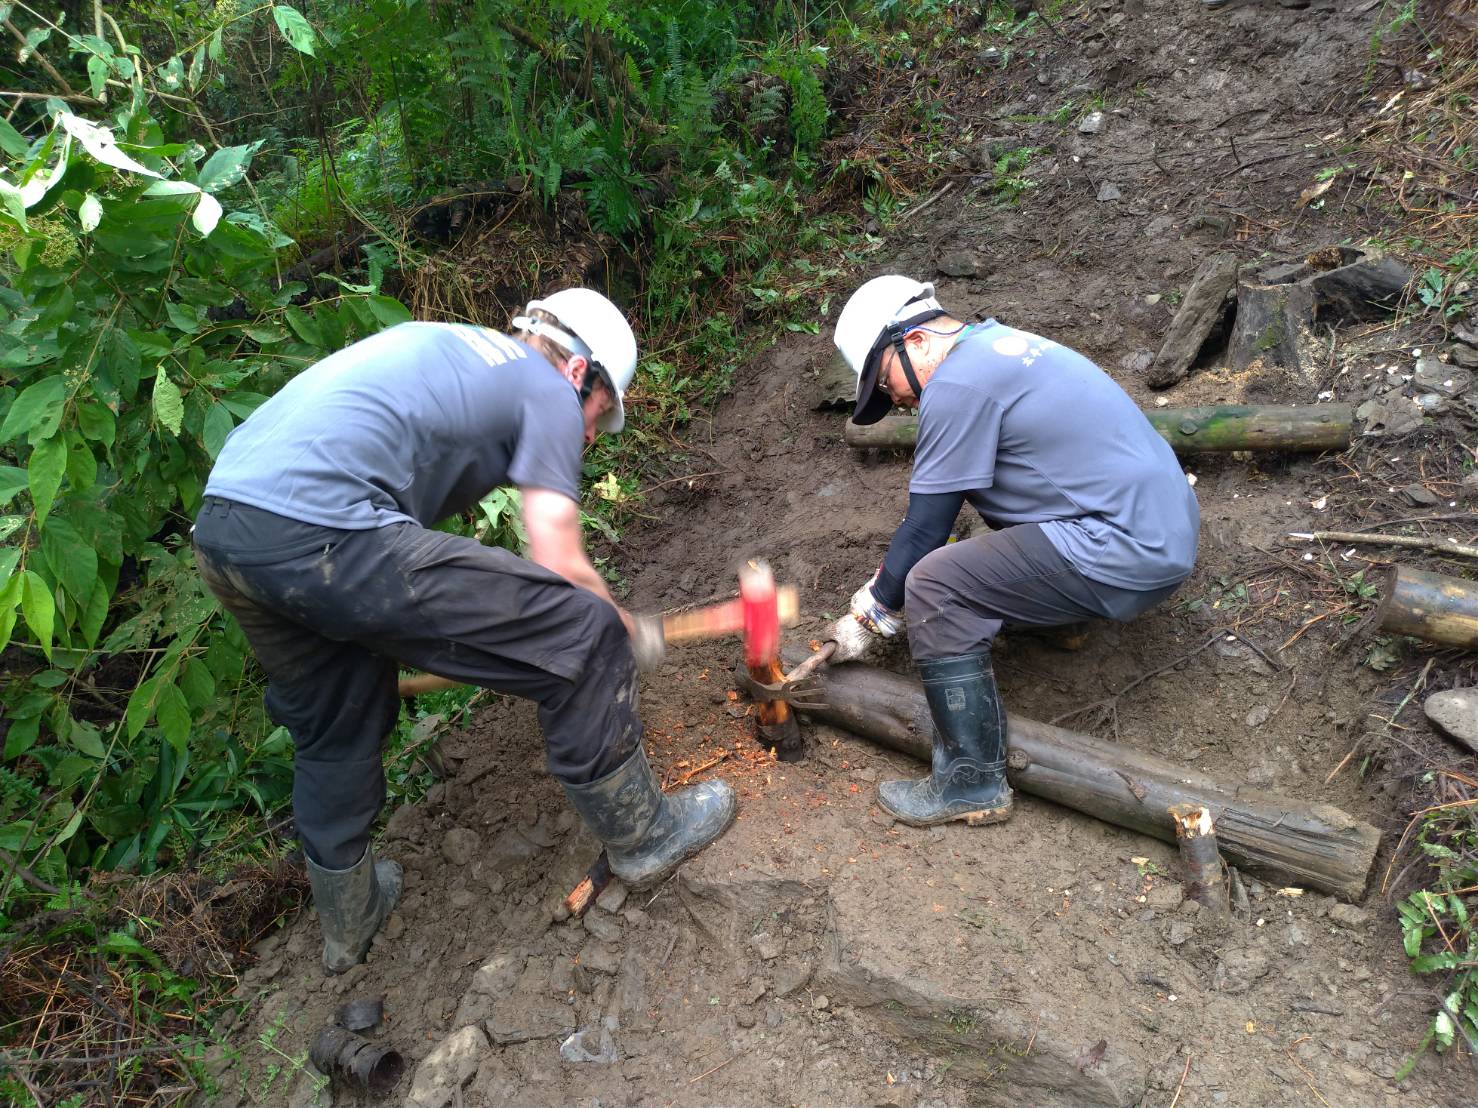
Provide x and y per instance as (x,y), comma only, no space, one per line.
(925,590)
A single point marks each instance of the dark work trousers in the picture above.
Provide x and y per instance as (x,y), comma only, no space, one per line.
(957,597)
(331,615)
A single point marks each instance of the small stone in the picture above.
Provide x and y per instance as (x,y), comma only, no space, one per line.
(1347,915)
(1091,123)
(1432,404)
(599,958)
(791,978)
(1258,716)
(521,1020)
(1238,970)
(447,1068)
(767,946)
(394,926)
(498,974)
(1107,192)
(1463,355)
(1153,298)
(1455,711)
(635,916)
(1165,895)
(1437,376)
(773,1016)
(960,263)
(1295,936)
(1138,361)
(562,977)
(464,898)
(509,849)
(603,925)
(754,989)
(1179,932)
(460,846)
(821,1002)
(1419,495)
(745,1017)
(612,897)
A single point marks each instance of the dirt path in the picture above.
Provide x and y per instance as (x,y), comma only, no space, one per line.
(820,954)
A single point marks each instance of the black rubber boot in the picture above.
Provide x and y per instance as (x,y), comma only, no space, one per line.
(352,903)
(648,833)
(968,779)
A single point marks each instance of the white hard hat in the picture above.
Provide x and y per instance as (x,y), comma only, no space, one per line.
(600,333)
(877,313)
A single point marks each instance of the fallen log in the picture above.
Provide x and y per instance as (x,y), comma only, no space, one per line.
(1187,430)
(1430,606)
(1292,842)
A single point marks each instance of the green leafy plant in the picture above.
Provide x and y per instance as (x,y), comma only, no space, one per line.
(127,355)
(1438,929)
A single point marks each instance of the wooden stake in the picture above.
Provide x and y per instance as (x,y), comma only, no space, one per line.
(1206,873)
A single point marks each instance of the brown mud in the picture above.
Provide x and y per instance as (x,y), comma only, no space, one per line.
(819,953)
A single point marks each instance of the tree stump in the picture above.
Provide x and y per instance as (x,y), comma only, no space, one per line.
(1201,310)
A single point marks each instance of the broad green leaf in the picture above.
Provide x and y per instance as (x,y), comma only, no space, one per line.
(169,406)
(97,76)
(297,30)
(216,47)
(39,608)
(12,141)
(242,404)
(172,74)
(9,525)
(47,464)
(198,685)
(218,424)
(12,480)
(82,466)
(96,422)
(174,716)
(85,737)
(90,214)
(73,562)
(37,411)
(304,326)
(95,614)
(140,706)
(388,310)
(10,597)
(34,38)
(197,67)
(9,556)
(226,166)
(13,204)
(187,317)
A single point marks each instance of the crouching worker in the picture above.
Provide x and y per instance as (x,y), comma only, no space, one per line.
(314,535)
(1090,512)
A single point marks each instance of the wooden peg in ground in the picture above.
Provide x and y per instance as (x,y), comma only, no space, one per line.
(1205,872)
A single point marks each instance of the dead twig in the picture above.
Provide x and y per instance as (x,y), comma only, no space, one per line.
(1416,542)
(1176,1099)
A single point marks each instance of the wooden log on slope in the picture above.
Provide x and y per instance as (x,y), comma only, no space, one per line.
(1431,606)
(1187,430)
(1292,842)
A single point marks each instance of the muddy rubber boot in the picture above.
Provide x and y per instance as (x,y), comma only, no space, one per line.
(648,833)
(968,778)
(352,903)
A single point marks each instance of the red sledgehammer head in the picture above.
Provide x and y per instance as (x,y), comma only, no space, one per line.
(761,613)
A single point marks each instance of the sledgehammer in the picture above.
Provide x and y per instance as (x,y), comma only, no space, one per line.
(756,616)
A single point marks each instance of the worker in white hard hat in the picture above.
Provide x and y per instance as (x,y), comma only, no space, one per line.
(315,533)
(1090,517)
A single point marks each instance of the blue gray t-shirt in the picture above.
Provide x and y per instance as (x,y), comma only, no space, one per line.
(1033,432)
(418,423)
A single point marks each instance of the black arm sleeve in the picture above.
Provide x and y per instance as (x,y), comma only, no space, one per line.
(925,528)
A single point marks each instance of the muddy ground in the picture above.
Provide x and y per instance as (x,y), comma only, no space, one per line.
(820,954)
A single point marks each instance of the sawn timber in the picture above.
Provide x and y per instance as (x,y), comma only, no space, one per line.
(1278,838)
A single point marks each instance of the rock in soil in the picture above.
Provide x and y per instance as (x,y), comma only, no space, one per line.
(1455,711)
(447,1068)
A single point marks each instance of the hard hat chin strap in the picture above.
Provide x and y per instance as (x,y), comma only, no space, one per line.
(895,334)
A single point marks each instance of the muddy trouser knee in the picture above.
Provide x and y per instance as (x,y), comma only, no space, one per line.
(958,596)
(333,614)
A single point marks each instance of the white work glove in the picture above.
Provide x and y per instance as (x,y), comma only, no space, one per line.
(860,629)
(647,642)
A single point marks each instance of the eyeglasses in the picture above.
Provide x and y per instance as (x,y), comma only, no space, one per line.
(884,373)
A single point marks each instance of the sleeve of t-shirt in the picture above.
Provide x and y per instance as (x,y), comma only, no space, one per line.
(550,438)
(959,432)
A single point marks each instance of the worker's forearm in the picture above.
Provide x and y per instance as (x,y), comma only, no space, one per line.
(579,571)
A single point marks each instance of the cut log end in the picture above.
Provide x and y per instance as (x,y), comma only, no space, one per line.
(1206,873)
(1430,606)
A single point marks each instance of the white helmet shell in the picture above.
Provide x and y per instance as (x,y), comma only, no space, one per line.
(881,301)
(601,326)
